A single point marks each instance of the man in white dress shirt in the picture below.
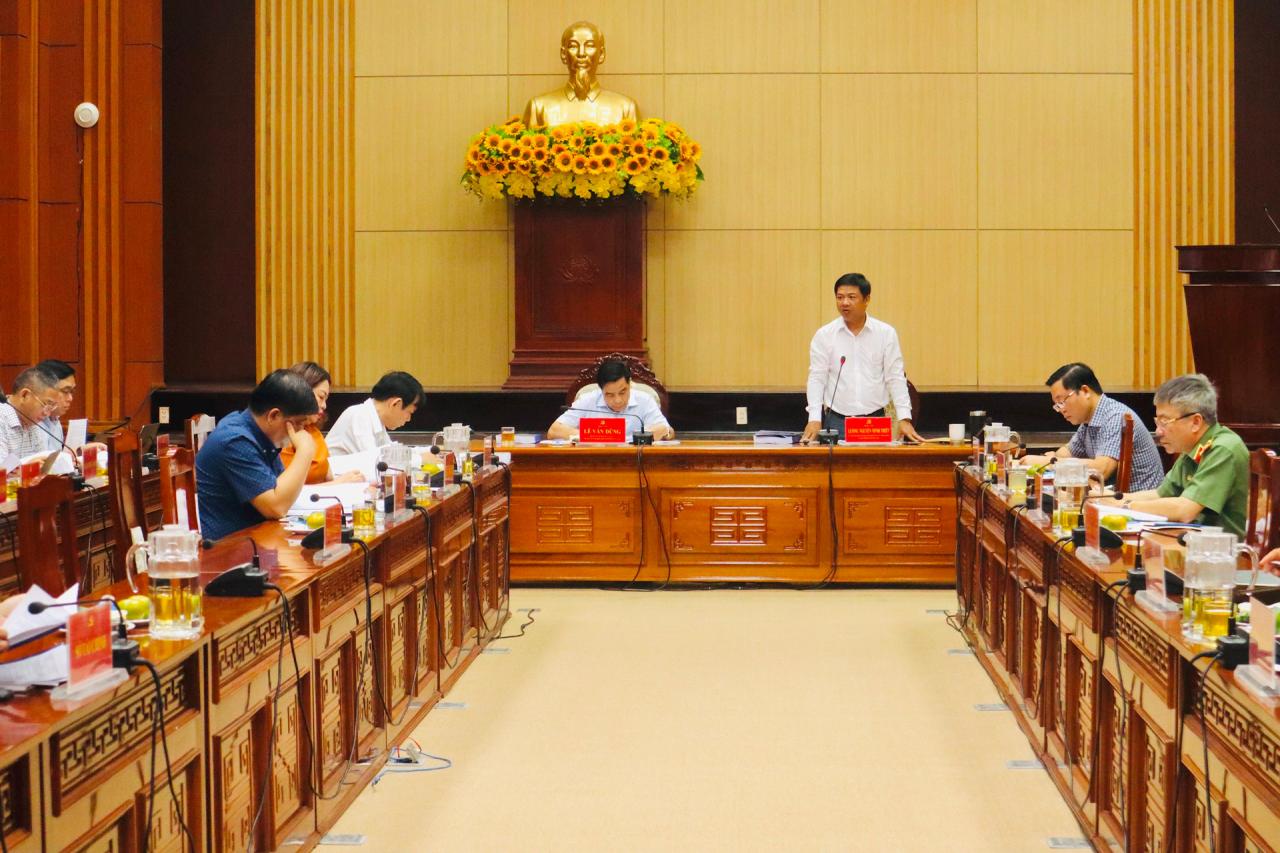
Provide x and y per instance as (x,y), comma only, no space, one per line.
(613,397)
(855,366)
(390,406)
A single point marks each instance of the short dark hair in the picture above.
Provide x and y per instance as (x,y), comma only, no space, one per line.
(611,370)
(284,390)
(313,373)
(1075,376)
(853,279)
(399,384)
(57,368)
(36,378)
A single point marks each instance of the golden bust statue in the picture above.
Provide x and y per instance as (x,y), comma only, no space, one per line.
(581,99)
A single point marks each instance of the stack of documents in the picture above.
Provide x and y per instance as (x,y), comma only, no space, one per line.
(776,438)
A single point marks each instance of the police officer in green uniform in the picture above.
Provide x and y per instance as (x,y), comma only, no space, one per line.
(1209,481)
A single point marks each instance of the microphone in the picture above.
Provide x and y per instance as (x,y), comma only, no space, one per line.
(246,580)
(830,436)
(77,479)
(315,539)
(1107,537)
(383,468)
(123,650)
(638,438)
(1267,211)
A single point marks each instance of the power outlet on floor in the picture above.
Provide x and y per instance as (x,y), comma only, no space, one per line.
(742,416)
(164,414)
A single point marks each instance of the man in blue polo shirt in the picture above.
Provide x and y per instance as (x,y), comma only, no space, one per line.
(239,477)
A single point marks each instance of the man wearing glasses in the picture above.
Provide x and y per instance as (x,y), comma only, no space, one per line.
(240,480)
(1209,482)
(34,398)
(1099,420)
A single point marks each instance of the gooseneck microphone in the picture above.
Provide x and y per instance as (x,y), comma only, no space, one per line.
(315,539)
(246,580)
(1107,537)
(124,652)
(831,436)
(638,438)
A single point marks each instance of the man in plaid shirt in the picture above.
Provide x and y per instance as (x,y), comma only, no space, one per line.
(1077,395)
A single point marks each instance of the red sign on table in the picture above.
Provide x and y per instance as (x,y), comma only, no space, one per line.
(868,429)
(602,430)
(332,526)
(89,644)
(89,461)
(1092,525)
(30,473)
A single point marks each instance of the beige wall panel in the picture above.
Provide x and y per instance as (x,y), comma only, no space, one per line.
(1055,151)
(434,304)
(411,136)
(655,328)
(740,36)
(1093,36)
(898,151)
(760,174)
(404,37)
(924,284)
(741,307)
(1074,286)
(632,32)
(899,35)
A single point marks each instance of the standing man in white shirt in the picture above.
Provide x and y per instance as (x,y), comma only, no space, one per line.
(872,375)
(394,399)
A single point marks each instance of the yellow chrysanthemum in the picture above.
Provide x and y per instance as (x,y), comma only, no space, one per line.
(627,126)
(695,151)
(564,161)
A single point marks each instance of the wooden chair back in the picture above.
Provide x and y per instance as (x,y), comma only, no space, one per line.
(198,428)
(640,373)
(1124,466)
(1263,530)
(48,552)
(178,472)
(128,510)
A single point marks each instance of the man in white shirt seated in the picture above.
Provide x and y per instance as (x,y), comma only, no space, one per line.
(394,399)
(33,399)
(64,379)
(855,366)
(613,398)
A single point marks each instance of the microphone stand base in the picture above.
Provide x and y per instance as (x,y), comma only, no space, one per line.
(642,438)
(828,436)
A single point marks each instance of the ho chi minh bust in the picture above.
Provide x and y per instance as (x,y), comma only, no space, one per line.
(581,98)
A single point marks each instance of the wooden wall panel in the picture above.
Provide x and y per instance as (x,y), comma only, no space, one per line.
(1184,165)
(417,37)
(305,171)
(742,36)
(62,242)
(878,36)
(633,34)
(1055,36)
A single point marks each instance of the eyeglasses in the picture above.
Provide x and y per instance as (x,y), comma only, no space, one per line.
(1163,423)
(1062,404)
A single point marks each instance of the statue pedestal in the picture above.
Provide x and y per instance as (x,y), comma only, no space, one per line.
(579,287)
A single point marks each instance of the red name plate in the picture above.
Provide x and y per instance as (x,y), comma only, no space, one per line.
(30,473)
(602,430)
(89,643)
(1092,525)
(393,484)
(332,526)
(162,444)
(868,429)
(90,461)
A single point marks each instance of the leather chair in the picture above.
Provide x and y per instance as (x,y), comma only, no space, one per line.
(178,472)
(48,548)
(128,510)
(643,380)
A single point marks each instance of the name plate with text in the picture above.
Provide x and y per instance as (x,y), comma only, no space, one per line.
(877,430)
(602,430)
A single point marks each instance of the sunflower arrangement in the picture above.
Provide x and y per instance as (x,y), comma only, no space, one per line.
(583,160)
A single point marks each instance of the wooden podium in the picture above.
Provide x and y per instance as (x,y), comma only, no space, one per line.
(1233,309)
(579,287)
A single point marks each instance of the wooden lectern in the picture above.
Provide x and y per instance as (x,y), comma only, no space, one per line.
(579,287)
(1233,309)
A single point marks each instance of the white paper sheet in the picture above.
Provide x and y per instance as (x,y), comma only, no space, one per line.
(48,668)
(366,462)
(350,494)
(22,624)
(77,433)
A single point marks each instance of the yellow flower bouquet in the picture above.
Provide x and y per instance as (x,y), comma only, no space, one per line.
(650,157)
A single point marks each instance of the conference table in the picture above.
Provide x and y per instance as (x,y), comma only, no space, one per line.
(730,511)
(1102,687)
(268,739)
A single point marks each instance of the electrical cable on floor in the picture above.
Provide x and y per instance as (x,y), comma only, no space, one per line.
(528,622)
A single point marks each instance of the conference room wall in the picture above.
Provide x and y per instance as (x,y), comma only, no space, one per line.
(962,154)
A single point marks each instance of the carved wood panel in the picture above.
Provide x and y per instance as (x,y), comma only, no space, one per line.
(91,746)
(1031,650)
(1252,742)
(1012,626)
(1153,782)
(403,555)
(255,645)
(368,714)
(114,838)
(1114,782)
(402,630)
(1080,694)
(588,522)
(1151,656)
(874,522)
(711,525)
(234,787)
(428,639)
(166,835)
(339,584)
(334,732)
(288,779)
(15,799)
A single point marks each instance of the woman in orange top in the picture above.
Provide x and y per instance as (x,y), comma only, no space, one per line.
(319,380)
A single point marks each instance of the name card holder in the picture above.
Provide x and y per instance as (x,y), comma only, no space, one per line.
(1259,677)
(1092,554)
(334,547)
(89,669)
(602,431)
(868,430)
